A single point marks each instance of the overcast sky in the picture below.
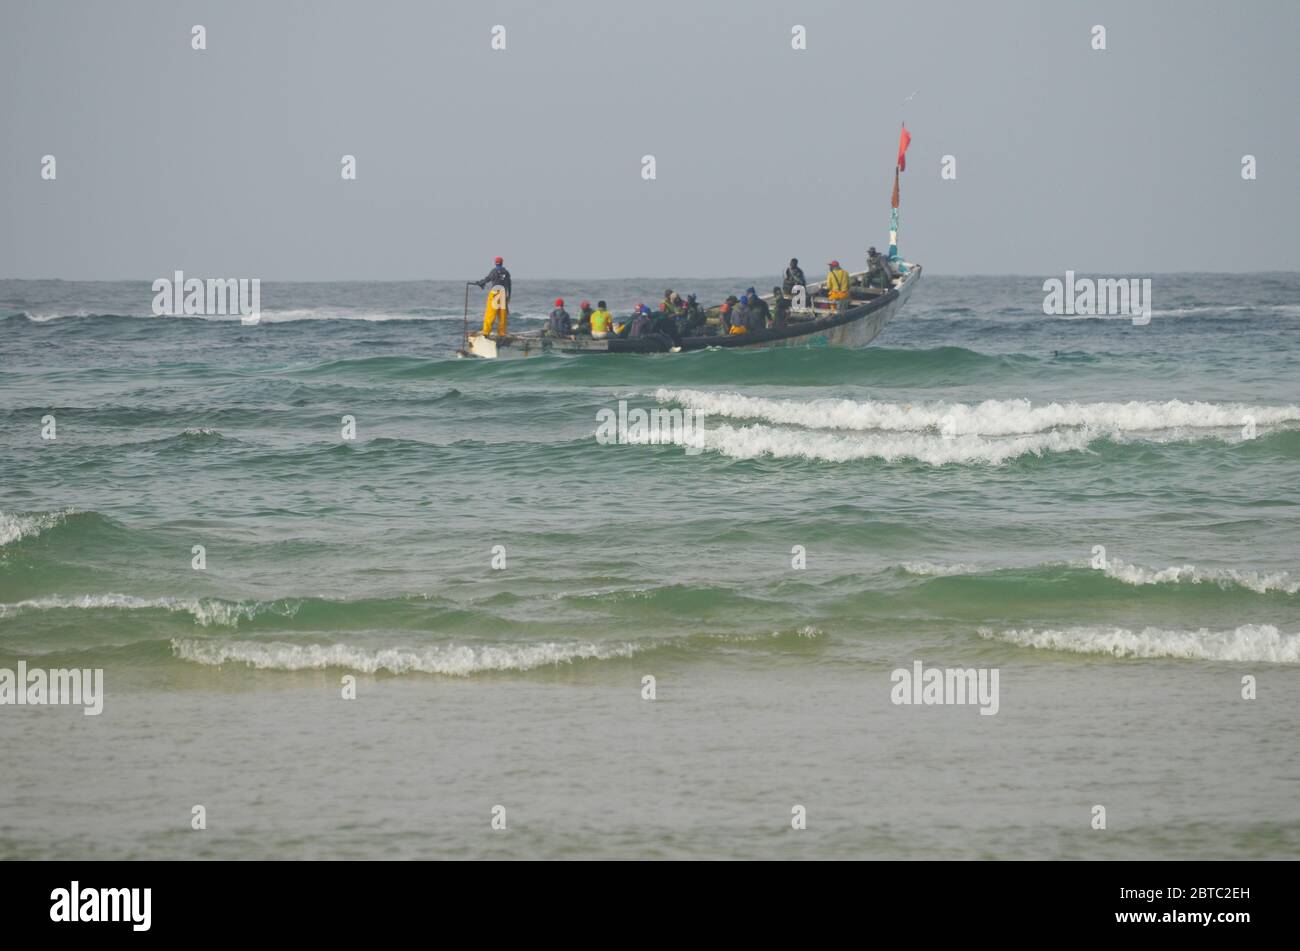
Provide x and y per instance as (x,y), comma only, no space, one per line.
(226,161)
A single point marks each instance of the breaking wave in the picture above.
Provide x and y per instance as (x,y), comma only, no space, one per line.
(1259,643)
(989,418)
(450,660)
(14,527)
(1260,583)
(750,442)
(205,611)
(926,569)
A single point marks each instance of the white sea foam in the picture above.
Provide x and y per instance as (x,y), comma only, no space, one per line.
(989,418)
(451,660)
(1259,582)
(749,442)
(1259,643)
(206,612)
(926,569)
(17,527)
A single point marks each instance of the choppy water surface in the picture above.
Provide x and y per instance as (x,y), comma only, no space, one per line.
(948,488)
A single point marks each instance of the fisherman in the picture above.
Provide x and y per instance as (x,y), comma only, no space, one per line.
(496,309)
(672,305)
(584,320)
(679,317)
(780,309)
(879,271)
(740,315)
(641,322)
(735,315)
(793,276)
(665,325)
(559,324)
(697,321)
(601,321)
(837,285)
(759,312)
(677,313)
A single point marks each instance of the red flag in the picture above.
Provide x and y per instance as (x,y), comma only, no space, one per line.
(893,202)
(904,140)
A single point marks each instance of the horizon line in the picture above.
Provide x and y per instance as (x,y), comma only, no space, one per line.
(573,280)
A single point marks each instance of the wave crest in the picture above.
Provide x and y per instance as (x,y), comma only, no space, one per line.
(15,527)
(989,418)
(1259,643)
(750,442)
(450,660)
(207,612)
(1260,583)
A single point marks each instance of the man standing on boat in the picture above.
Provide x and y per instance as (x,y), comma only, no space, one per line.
(879,272)
(697,321)
(780,309)
(759,312)
(793,276)
(498,299)
(837,285)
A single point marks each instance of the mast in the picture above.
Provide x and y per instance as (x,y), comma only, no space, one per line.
(904,140)
(893,220)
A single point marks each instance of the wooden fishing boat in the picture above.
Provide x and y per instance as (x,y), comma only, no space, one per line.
(822,323)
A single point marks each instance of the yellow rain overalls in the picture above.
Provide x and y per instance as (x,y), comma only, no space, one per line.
(837,284)
(496,310)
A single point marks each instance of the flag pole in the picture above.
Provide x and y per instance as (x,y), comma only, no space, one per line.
(893,220)
(904,140)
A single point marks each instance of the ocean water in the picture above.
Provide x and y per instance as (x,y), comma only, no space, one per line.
(947,488)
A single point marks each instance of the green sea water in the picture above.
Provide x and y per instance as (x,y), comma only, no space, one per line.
(1104,513)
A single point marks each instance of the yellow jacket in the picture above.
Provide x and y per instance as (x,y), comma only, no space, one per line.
(837,283)
(600,321)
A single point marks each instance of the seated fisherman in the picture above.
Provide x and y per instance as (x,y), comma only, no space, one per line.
(559,324)
(602,322)
(740,315)
(697,321)
(640,325)
(664,323)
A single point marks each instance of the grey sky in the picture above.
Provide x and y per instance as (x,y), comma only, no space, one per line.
(226,162)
